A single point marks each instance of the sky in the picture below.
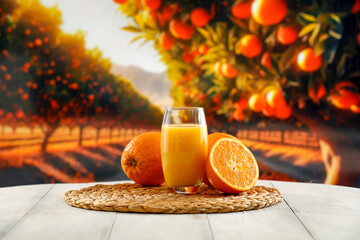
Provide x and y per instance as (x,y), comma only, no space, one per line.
(102,23)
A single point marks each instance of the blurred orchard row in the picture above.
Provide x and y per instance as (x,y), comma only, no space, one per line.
(270,61)
(49,79)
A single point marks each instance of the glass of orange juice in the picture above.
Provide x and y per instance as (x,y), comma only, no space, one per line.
(183,148)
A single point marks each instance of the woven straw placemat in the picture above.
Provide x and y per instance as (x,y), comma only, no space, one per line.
(129,197)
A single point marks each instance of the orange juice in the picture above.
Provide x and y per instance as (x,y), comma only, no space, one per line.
(183,154)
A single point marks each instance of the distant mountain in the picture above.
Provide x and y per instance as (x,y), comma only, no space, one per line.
(155,86)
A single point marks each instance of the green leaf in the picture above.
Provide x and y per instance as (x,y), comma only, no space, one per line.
(204,33)
(307,29)
(231,39)
(241,24)
(308,17)
(136,38)
(254,26)
(287,57)
(335,17)
(335,35)
(340,69)
(131,29)
(315,34)
(354,75)
(319,48)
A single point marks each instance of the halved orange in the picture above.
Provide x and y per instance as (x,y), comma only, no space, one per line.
(231,167)
(212,138)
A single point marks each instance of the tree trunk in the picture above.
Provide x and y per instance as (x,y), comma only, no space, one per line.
(340,149)
(48,132)
(80,135)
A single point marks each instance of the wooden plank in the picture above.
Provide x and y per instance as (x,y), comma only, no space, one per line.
(274,222)
(52,218)
(16,203)
(161,226)
(328,212)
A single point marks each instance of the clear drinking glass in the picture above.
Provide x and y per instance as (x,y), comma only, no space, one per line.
(183,148)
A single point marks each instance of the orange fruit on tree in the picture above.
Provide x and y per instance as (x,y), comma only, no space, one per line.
(283,112)
(164,15)
(153,4)
(345,95)
(167,41)
(199,17)
(316,95)
(181,29)
(287,34)
(308,61)
(38,42)
(269,12)
(203,49)
(250,45)
(188,57)
(20,114)
(257,102)
(141,159)
(230,166)
(355,108)
(238,115)
(242,10)
(228,70)
(266,60)
(120,1)
(242,103)
(212,138)
(275,98)
(218,68)
(356,7)
(268,111)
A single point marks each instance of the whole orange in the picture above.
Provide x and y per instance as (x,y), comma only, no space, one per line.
(355,108)
(218,68)
(257,102)
(269,12)
(238,115)
(266,60)
(167,41)
(242,103)
(199,17)
(268,111)
(275,98)
(283,112)
(120,1)
(345,95)
(316,95)
(153,4)
(250,45)
(181,29)
(242,10)
(308,61)
(228,70)
(287,34)
(141,159)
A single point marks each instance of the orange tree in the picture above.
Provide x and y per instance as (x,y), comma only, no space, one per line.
(245,60)
(49,78)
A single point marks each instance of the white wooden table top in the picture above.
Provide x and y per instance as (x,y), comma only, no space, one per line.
(309,211)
